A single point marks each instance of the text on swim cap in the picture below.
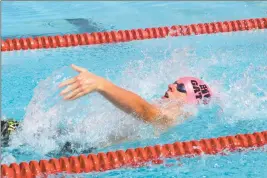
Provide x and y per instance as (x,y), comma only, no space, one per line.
(200,90)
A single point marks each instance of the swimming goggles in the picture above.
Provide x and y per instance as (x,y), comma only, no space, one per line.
(180,87)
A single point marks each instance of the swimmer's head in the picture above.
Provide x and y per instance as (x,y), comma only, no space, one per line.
(191,89)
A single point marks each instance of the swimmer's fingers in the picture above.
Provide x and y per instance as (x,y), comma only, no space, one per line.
(78,69)
(80,92)
(71,87)
(77,96)
(67,82)
(73,94)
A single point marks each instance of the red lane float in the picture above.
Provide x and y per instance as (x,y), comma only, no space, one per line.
(133,157)
(130,35)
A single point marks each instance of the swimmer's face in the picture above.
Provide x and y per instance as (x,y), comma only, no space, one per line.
(175,91)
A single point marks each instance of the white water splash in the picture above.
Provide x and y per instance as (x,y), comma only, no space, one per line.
(246,98)
(91,121)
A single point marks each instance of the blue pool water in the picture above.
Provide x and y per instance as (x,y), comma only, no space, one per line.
(234,64)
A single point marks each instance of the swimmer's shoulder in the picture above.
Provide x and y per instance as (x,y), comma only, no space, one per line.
(164,120)
(171,114)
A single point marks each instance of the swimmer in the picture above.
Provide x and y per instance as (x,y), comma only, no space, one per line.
(7,127)
(185,90)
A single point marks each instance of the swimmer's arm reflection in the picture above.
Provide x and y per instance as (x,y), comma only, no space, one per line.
(86,82)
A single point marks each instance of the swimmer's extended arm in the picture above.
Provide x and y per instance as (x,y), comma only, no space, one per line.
(127,101)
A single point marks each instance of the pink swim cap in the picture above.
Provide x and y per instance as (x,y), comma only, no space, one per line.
(197,91)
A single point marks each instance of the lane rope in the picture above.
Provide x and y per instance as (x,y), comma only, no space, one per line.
(134,157)
(70,40)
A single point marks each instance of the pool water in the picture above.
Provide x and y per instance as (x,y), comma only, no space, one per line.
(234,64)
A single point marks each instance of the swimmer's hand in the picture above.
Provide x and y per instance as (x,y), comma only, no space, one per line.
(85,82)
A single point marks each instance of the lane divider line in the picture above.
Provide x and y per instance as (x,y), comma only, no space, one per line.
(134,157)
(70,40)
